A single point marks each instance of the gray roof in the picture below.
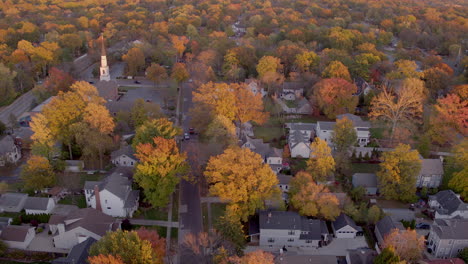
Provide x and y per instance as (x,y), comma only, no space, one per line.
(124,150)
(132,199)
(386,225)
(36,203)
(12,199)
(301,126)
(88,218)
(362,256)
(294,85)
(296,137)
(344,220)
(451,228)
(14,233)
(326,125)
(357,121)
(431,166)
(107,89)
(449,202)
(365,180)
(7,144)
(263,149)
(287,220)
(78,254)
(117,184)
(305,259)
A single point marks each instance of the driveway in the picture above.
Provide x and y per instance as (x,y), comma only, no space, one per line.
(399,214)
(43,242)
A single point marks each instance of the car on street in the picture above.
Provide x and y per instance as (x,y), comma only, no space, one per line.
(186,136)
(192,131)
(423,226)
(137,82)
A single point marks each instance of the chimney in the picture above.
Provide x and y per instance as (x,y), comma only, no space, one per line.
(97,198)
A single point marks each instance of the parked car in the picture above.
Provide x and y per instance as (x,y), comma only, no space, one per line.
(423,226)
(137,82)
(192,131)
(186,136)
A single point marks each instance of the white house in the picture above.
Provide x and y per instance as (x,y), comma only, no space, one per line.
(325,129)
(114,195)
(18,237)
(366,180)
(12,202)
(253,86)
(447,237)
(286,228)
(448,204)
(295,88)
(79,225)
(345,227)
(9,151)
(305,128)
(271,156)
(430,176)
(39,205)
(124,157)
(299,144)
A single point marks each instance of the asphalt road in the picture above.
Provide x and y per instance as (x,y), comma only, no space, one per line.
(17,108)
(190,215)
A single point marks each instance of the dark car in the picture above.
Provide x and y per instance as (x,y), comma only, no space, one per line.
(192,131)
(423,226)
(137,82)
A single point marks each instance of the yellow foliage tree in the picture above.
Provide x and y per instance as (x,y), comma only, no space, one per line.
(240,177)
(408,244)
(38,173)
(321,163)
(43,138)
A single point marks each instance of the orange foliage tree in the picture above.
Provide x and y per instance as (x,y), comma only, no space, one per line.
(105,259)
(408,244)
(334,96)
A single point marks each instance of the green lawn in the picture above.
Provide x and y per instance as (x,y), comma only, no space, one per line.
(364,167)
(78,200)
(217,210)
(297,165)
(154,214)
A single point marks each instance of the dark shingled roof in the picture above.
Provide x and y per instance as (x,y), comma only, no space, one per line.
(78,254)
(87,218)
(7,144)
(12,199)
(15,233)
(451,228)
(449,202)
(386,225)
(362,256)
(124,150)
(36,203)
(344,220)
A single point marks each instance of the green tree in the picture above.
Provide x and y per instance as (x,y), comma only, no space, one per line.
(344,135)
(152,128)
(398,173)
(158,169)
(459,165)
(374,214)
(143,111)
(321,163)
(7,89)
(125,245)
(387,256)
(464,254)
(37,173)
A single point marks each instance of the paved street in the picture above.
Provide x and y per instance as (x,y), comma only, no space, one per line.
(147,222)
(190,215)
(23,104)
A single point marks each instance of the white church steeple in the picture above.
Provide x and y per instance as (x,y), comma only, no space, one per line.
(104,69)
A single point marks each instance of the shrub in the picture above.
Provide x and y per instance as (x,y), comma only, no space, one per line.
(126,225)
(3,248)
(39,230)
(34,222)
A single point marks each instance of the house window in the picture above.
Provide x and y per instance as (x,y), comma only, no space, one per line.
(271,240)
(108,208)
(131,163)
(291,232)
(291,240)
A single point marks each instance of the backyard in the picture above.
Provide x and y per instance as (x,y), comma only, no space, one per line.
(365,167)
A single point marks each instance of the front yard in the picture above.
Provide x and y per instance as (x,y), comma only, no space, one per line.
(365,167)
(78,200)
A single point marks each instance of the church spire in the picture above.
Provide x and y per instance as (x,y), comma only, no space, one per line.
(104,69)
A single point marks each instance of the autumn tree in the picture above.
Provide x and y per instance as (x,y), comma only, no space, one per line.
(143,111)
(58,81)
(313,199)
(408,244)
(387,256)
(37,173)
(221,130)
(206,247)
(334,96)
(152,128)
(156,73)
(158,244)
(248,106)
(449,119)
(7,89)
(179,44)
(240,177)
(404,69)
(125,245)
(158,169)
(268,68)
(398,173)
(459,165)
(135,59)
(395,107)
(3,187)
(436,80)
(307,61)
(374,214)
(43,139)
(336,69)
(254,257)
(344,135)
(321,163)
(105,259)
(180,73)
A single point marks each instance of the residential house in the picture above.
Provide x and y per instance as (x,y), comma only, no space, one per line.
(78,254)
(26,117)
(284,184)
(448,204)
(431,173)
(10,152)
(74,165)
(4,222)
(39,205)
(447,237)
(303,107)
(57,193)
(12,202)
(361,256)
(362,128)
(289,96)
(79,225)
(286,228)
(366,180)
(363,87)
(113,195)
(299,144)
(271,156)
(124,156)
(305,128)
(345,227)
(324,131)
(255,87)
(23,137)
(384,227)
(18,237)
(295,88)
